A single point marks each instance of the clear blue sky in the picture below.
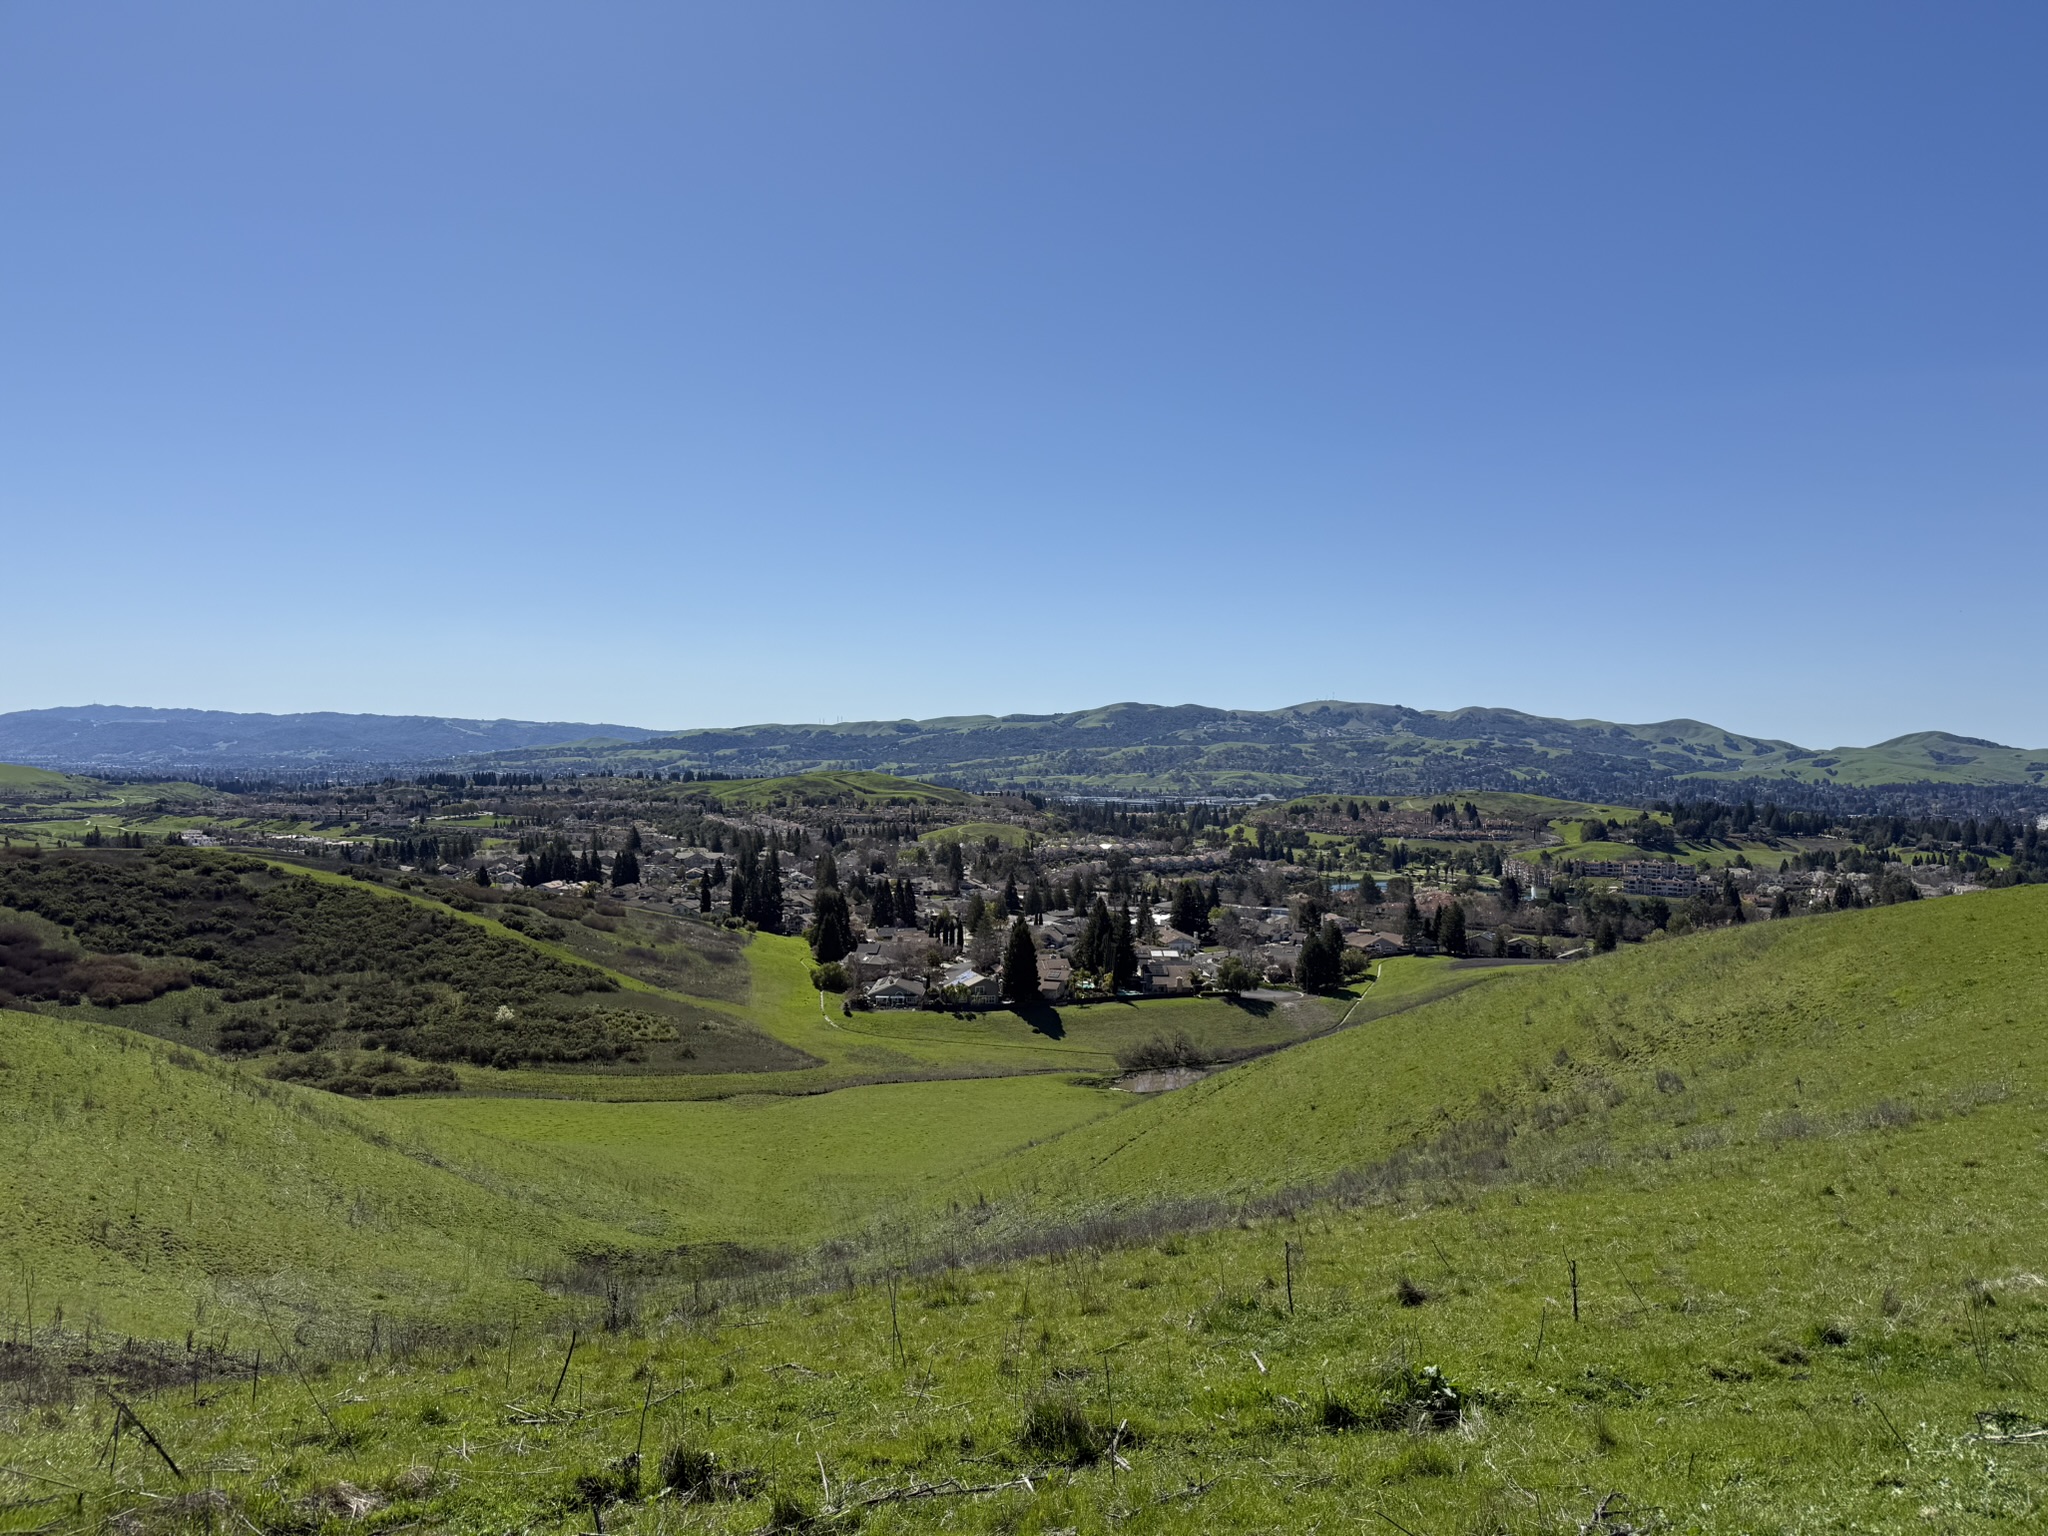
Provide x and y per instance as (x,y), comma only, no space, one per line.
(681,364)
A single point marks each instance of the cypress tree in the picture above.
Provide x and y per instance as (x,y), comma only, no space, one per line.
(626,868)
(1020,965)
(1095,949)
(1123,965)
(704,891)
(906,902)
(882,914)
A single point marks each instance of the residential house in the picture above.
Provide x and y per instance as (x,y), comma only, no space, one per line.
(896,992)
(980,991)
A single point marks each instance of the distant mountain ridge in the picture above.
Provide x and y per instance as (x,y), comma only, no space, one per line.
(1326,745)
(1118,749)
(125,740)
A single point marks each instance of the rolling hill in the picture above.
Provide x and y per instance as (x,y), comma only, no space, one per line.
(1727,1233)
(1146,749)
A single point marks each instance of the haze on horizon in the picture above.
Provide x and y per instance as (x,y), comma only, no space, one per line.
(724,365)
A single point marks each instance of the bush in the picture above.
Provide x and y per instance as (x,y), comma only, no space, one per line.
(829,977)
(1160,1053)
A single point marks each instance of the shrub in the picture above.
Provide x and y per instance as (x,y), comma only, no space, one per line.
(1161,1052)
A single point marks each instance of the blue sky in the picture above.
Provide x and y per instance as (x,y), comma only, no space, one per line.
(688,365)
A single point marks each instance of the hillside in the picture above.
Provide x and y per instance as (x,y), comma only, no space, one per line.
(1146,749)
(1722,1234)
(120,740)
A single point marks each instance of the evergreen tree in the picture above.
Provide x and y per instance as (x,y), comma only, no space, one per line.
(977,913)
(1321,967)
(765,895)
(831,925)
(633,843)
(626,868)
(1411,923)
(1147,928)
(1077,895)
(483,876)
(882,914)
(1450,928)
(1096,946)
(529,873)
(906,902)
(704,891)
(1123,967)
(828,870)
(1020,965)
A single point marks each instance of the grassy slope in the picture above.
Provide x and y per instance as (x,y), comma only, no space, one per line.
(1776,1324)
(213,1184)
(1817,1015)
(849,788)
(141,1180)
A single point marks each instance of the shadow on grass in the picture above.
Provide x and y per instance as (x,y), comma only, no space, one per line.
(1257,1007)
(1043,1018)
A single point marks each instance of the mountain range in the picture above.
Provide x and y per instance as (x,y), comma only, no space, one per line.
(1119,749)
(125,741)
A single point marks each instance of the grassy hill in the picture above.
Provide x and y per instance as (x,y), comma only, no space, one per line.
(865,791)
(1733,1233)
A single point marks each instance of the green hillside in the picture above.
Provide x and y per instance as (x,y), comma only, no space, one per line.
(1734,1233)
(1901,1010)
(1322,745)
(865,791)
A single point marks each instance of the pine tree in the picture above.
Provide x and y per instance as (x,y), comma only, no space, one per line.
(483,876)
(828,870)
(704,891)
(1011,905)
(529,873)
(831,925)
(882,914)
(1020,965)
(626,868)
(906,902)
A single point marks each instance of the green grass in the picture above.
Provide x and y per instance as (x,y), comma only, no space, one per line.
(860,790)
(1006,833)
(1797,1168)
